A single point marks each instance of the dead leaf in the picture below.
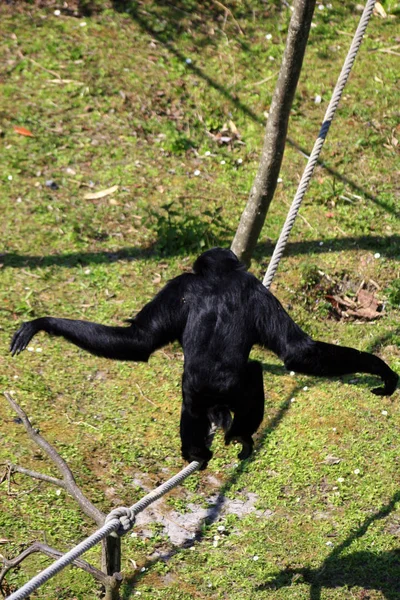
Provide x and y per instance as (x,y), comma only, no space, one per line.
(4,541)
(367,299)
(379,10)
(23,131)
(332,460)
(101,193)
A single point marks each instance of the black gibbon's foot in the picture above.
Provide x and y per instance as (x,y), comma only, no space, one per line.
(247,445)
(201,455)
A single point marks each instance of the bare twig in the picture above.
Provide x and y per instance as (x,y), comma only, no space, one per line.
(249,85)
(35,475)
(229,12)
(69,481)
(145,397)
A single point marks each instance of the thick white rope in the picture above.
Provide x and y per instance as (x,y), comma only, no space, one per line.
(312,161)
(122,519)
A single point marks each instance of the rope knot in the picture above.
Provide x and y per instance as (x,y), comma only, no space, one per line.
(126,517)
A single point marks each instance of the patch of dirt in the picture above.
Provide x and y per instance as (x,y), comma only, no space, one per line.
(182,528)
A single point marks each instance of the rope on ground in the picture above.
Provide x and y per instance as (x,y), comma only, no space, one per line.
(312,161)
(122,519)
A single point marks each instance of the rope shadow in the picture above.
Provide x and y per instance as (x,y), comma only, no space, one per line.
(378,571)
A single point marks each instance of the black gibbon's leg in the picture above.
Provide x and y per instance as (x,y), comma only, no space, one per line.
(318,358)
(194,429)
(248,410)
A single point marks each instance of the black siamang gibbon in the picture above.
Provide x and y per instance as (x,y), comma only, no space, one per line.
(217,313)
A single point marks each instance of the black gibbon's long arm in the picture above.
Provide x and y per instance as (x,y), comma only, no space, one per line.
(160,322)
(121,343)
(302,354)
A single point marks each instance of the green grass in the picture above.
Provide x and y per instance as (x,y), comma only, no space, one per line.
(115,102)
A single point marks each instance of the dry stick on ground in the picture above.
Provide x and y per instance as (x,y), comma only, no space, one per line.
(264,185)
(111,547)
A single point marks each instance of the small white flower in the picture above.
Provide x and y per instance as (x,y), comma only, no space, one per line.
(83,24)
(58,492)
(334,429)
(318,99)
(16,377)
(87,271)
(30,349)
(142,570)
(329,543)
(377,255)
(356,471)
(223,162)
(217,537)
(305,388)
(220,528)
(321,243)
(279,180)
(298,499)
(385,413)
(292,400)
(268,36)
(340,479)
(134,534)
(196,173)
(239,161)
(215,543)
(271,58)
(188,61)
(207,153)
(39,350)
(255,557)
(9,178)
(313,25)
(292,373)
(57,12)
(321,7)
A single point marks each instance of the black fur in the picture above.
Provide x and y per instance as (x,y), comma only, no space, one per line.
(217,313)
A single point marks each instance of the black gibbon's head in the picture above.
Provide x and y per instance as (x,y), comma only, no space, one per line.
(219,260)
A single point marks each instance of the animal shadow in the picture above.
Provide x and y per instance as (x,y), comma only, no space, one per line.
(379,571)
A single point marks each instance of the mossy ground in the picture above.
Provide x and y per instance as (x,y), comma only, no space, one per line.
(136,96)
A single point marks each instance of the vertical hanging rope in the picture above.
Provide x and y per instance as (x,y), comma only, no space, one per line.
(312,161)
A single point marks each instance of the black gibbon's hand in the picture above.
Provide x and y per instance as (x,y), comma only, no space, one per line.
(23,336)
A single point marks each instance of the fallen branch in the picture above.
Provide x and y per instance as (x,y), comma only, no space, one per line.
(68,479)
